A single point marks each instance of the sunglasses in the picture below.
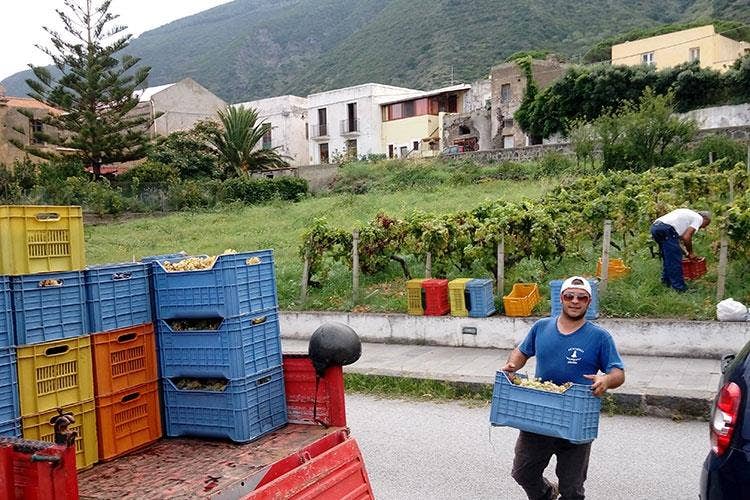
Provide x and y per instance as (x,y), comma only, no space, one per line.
(582,297)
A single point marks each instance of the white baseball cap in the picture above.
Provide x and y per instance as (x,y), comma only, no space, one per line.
(576,282)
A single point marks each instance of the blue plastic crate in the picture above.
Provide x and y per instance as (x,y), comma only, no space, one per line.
(241,347)
(118,296)
(9,405)
(556,305)
(246,410)
(44,311)
(481,298)
(7,336)
(571,415)
(11,428)
(241,283)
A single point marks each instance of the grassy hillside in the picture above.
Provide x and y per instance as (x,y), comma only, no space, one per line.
(260,48)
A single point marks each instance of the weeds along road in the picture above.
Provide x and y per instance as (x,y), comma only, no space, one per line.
(429,450)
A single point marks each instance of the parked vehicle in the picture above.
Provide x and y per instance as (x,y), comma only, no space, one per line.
(313,457)
(726,470)
(453,150)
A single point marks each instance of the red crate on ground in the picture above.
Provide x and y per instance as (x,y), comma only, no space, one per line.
(128,420)
(437,300)
(124,358)
(693,268)
(35,470)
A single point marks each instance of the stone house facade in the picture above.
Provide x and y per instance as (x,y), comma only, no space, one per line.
(508,86)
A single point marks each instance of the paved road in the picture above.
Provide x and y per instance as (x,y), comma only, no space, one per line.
(425,450)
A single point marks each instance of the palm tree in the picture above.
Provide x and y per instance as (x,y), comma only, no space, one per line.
(236,143)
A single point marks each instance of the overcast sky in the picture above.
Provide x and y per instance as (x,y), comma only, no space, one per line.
(23,21)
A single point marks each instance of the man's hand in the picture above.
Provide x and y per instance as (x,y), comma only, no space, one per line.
(600,385)
(509,367)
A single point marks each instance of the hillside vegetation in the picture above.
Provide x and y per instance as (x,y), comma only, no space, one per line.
(250,49)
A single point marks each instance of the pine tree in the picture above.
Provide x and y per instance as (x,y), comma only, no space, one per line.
(94,89)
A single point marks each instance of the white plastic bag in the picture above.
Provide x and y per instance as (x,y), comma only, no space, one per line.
(731,310)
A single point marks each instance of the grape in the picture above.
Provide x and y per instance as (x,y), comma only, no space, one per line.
(536,383)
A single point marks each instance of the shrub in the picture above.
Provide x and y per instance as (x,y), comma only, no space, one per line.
(554,162)
(150,172)
(189,152)
(291,188)
(10,191)
(57,171)
(185,195)
(720,146)
(248,190)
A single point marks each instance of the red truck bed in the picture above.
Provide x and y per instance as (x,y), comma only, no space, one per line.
(303,460)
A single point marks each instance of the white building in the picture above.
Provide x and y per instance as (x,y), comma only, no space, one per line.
(181,104)
(348,121)
(288,118)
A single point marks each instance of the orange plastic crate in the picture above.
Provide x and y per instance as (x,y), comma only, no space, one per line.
(615,269)
(694,268)
(522,299)
(128,420)
(124,358)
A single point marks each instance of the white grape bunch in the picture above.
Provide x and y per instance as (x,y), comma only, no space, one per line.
(538,384)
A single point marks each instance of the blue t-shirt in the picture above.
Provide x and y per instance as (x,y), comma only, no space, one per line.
(567,358)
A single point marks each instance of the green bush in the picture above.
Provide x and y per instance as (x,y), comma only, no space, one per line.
(291,188)
(248,190)
(720,146)
(418,176)
(554,162)
(150,172)
(10,191)
(189,195)
(57,171)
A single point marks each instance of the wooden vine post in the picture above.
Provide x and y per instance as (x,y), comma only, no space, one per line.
(501,266)
(428,265)
(605,255)
(355,265)
(723,252)
(305,273)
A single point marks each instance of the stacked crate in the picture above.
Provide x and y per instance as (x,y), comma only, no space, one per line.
(10,423)
(220,347)
(126,385)
(41,249)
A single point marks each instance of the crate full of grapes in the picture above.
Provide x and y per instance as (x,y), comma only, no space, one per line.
(569,411)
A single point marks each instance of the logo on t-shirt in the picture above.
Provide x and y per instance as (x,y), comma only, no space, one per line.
(574,355)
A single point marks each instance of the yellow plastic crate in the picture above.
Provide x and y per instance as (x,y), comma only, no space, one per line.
(414,297)
(457,294)
(38,427)
(522,299)
(40,238)
(54,374)
(616,268)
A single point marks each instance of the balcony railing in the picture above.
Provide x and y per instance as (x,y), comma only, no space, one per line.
(350,126)
(319,131)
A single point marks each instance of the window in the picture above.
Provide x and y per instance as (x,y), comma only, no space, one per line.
(351,148)
(463,130)
(323,152)
(508,123)
(505,92)
(408,109)
(647,58)
(415,145)
(351,117)
(267,136)
(390,150)
(35,127)
(322,122)
(404,151)
(509,142)
(694,54)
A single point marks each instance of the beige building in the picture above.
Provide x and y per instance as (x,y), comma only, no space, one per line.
(508,84)
(701,44)
(181,104)
(412,127)
(17,129)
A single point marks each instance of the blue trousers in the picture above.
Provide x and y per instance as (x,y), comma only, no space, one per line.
(669,245)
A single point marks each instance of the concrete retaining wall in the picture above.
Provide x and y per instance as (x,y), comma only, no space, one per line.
(686,339)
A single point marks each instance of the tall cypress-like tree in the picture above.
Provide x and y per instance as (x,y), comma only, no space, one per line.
(95,88)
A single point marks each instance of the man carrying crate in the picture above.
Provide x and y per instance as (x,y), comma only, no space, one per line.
(668,231)
(568,348)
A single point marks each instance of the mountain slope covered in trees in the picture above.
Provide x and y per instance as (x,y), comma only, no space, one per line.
(250,49)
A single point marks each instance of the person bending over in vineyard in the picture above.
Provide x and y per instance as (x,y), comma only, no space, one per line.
(568,348)
(668,231)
